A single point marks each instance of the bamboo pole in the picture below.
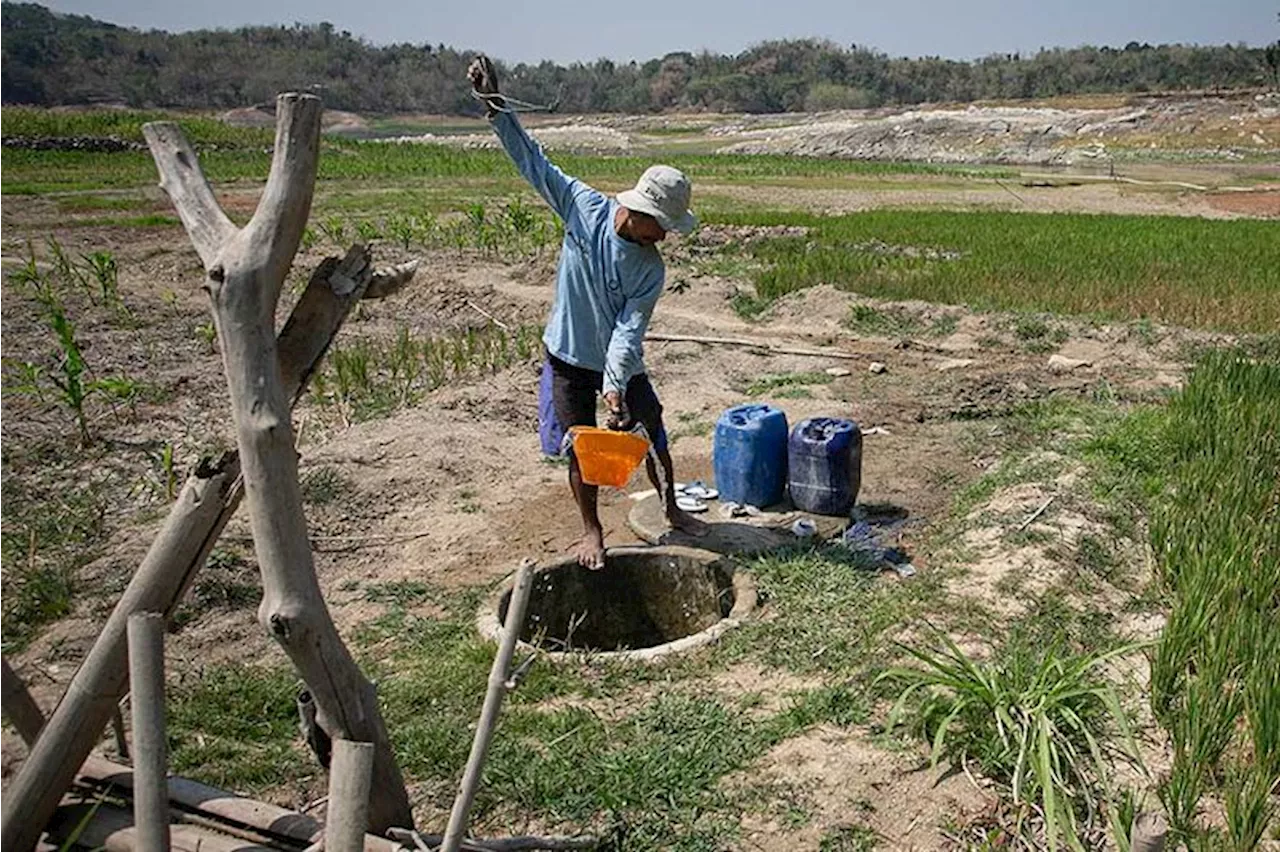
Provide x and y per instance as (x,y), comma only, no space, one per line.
(150,751)
(350,774)
(19,706)
(751,344)
(489,712)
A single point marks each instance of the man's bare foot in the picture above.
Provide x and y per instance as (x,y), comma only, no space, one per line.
(591,550)
(686,523)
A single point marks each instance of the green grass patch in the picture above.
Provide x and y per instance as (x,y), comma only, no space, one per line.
(807,586)
(849,838)
(81,203)
(1181,270)
(636,752)
(887,322)
(776,385)
(236,726)
(38,172)
(50,532)
(322,485)
(149,220)
(201,130)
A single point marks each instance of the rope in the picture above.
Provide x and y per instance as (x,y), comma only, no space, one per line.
(505,103)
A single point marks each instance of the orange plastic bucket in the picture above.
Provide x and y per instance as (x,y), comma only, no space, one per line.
(606,457)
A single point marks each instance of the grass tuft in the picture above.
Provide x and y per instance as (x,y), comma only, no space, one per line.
(1035,717)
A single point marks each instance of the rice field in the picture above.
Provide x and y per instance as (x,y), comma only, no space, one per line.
(1179,270)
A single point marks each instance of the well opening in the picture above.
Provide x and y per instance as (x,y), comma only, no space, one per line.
(645,602)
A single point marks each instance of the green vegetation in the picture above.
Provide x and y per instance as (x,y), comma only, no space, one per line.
(889,322)
(778,385)
(322,485)
(36,172)
(76,59)
(1216,536)
(806,586)
(201,130)
(1035,717)
(1207,470)
(49,534)
(370,378)
(647,772)
(509,230)
(235,727)
(68,383)
(228,581)
(1196,272)
(848,838)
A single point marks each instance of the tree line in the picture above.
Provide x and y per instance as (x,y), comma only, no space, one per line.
(51,59)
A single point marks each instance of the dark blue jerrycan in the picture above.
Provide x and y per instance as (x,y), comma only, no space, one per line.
(825,460)
(749,454)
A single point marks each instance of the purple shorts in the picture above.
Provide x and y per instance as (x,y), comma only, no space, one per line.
(567,397)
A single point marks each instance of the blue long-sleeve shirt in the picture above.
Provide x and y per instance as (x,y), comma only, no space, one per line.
(606,286)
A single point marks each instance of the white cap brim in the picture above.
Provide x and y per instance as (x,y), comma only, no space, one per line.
(633,200)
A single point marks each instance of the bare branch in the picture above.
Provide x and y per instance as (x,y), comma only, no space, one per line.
(523,843)
(335,286)
(182,178)
(277,225)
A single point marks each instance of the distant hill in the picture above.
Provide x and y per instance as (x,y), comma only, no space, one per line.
(51,58)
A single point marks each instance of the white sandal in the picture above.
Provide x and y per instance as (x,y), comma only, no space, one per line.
(692,505)
(697,490)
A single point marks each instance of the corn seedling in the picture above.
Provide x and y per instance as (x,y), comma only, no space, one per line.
(64,268)
(207,333)
(24,377)
(170,298)
(483,233)
(371,378)
(69,378)
(405,368)
(403,229)
(167,474)
(106,272)
(309,238)
(334,230)
(368,230)
(1038,719)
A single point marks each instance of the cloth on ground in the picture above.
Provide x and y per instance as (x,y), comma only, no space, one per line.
(877,539)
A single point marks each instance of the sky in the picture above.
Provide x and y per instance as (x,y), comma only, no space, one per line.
(573,30)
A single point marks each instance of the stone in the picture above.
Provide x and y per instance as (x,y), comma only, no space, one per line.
(954,364)
(839,372)
(1063,364)
(877,367)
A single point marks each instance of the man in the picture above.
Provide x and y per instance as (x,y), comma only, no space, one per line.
(609,279)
